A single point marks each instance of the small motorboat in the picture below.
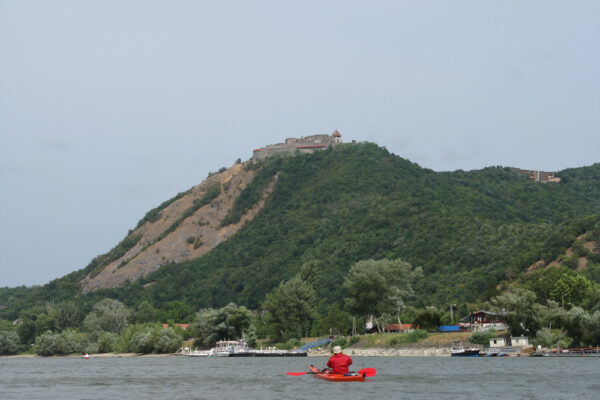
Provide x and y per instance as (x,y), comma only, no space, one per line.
(464,352)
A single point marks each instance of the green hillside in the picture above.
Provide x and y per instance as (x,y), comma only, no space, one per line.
(358,201)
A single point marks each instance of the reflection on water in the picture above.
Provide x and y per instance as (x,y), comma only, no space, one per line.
(265,378)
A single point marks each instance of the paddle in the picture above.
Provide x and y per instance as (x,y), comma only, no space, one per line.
(368,371)
(365,371)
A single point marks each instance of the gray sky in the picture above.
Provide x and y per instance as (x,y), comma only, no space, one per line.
(108,108)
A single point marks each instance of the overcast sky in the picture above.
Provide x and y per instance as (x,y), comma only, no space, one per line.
(108,108)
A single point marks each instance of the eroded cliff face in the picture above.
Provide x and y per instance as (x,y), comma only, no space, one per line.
(204,226)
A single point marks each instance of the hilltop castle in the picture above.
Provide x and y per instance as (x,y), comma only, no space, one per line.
(306,144)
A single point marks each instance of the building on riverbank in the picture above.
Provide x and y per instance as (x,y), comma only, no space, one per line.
(481,320)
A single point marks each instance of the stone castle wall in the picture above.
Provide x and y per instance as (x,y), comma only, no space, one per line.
(305,144)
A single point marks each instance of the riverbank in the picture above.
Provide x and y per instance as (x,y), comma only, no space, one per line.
(398,345)
(373,345)
(95,355)
(388,352)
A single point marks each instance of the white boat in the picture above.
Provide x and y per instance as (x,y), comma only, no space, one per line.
(186,351)
(226,348)
(201,353)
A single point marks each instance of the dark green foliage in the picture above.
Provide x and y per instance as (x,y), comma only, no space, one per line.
(376,287)
(353,340)
(339,341)
(355,202)
(107,342)
(483,337)
(336,321)
(66,342)
(563,286)
(10,343)
(108,315)
(290,309)
(230,322)
(145,313)
(252,194)
(428,319)
(150,338)
(519,308)
(177,312)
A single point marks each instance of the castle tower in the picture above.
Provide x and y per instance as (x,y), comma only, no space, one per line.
(336,137)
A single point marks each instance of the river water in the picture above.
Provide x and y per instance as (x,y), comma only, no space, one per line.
(265,378)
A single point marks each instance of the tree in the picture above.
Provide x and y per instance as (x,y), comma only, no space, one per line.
(45,344)
(309,273)
(178,312)
(65,315)
(107,315)
(428,319)
(378,287)
(337,320)
(107,342)
(290,309)
(145,312)
(578,325)
(573,289)
(9,343)
(517,307)
(229,322)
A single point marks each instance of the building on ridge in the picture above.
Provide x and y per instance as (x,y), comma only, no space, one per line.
(537,175)
(306,144)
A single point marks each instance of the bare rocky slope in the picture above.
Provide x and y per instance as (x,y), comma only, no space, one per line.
(193,237)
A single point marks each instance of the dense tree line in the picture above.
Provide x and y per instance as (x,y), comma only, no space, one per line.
(471,232)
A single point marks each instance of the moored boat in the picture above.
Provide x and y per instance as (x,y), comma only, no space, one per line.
(464,352)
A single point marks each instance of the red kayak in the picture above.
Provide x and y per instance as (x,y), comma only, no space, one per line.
(336,377)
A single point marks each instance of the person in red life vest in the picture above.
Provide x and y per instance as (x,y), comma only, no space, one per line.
(339,362)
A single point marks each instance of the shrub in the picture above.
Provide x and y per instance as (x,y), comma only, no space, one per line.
(68,342)
(411,337)
(547,338)
(149,339)
(107,342)
(9,343)
(339,341)
(191,240)
(45,344)
(483,337)
(354,340)
(290,344)
(167,341)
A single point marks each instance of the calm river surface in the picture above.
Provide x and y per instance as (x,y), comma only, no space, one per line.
(265,378)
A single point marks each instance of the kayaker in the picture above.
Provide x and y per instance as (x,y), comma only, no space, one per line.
(339,362)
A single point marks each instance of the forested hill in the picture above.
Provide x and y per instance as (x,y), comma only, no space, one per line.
(468,230)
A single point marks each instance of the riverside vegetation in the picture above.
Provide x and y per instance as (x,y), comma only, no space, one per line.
(463,237)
